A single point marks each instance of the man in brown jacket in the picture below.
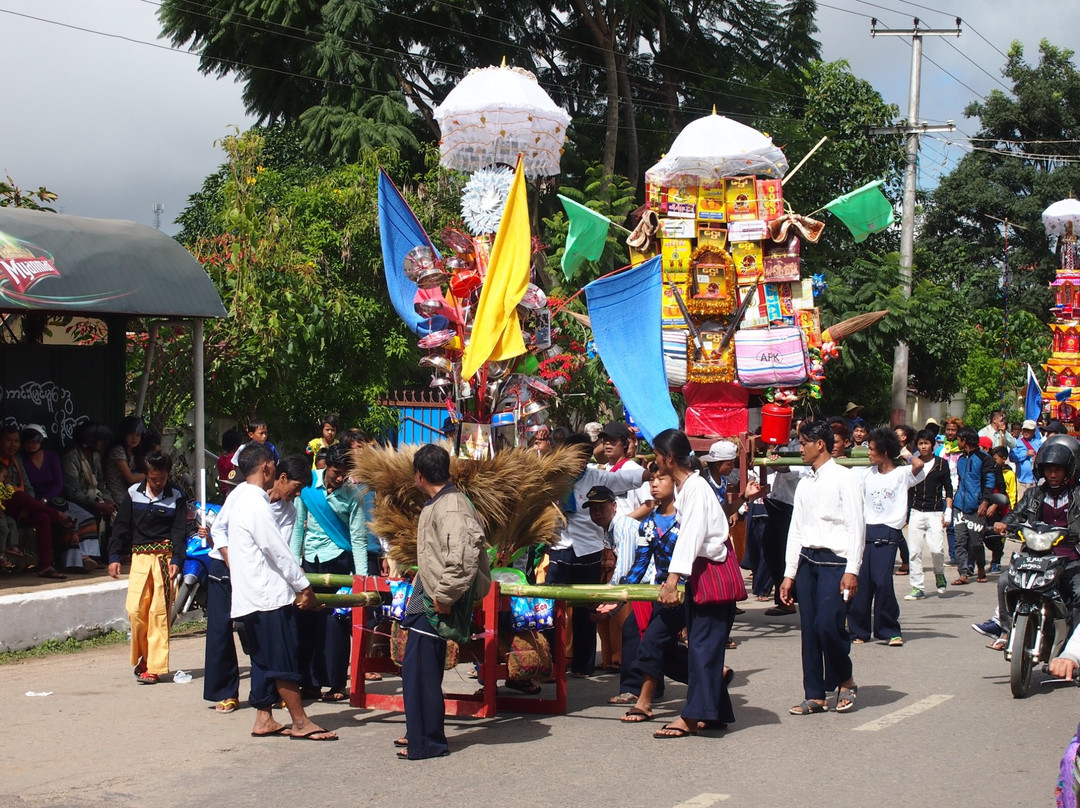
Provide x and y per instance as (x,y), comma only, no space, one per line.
(452,571)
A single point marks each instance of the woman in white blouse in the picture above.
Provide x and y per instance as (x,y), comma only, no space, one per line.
(885,509)
(703,533)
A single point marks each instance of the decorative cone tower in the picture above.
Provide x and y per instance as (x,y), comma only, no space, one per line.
(1063,367)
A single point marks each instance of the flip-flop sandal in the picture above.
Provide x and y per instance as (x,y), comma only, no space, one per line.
(623,698)
(310,736)
(636,715)
(401,743)
(272,734)
(51,574)
(962,581)
(526,686)
(981,580)
(335,696)
(779,611)
(227,706)
(667,731)
(847,694)
(858,641)
(147,678)
(372,676)
(809,708)
(404,755)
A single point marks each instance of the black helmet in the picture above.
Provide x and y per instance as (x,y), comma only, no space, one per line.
(1059,450)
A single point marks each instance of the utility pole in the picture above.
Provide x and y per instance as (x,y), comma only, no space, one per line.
(911,131)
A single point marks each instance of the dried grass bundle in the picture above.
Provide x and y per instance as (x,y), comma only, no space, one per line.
(852,325)
(516,495)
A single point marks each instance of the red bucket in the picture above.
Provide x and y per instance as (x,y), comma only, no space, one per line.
(776,423)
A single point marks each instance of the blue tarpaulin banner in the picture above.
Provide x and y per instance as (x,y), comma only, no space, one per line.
(625,313)
(1033,401)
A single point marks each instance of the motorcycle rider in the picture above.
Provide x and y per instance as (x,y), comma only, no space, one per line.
(1054,501)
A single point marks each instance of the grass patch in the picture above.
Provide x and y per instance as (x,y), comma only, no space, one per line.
(74,646)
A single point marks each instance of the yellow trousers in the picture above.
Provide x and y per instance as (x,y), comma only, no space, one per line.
(147,606)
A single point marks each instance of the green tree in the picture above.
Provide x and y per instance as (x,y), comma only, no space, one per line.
(295,253)
(12,196)
(1024,158)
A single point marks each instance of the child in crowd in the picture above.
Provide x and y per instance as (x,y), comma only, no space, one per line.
(996,544)
(257,432)
(330,427)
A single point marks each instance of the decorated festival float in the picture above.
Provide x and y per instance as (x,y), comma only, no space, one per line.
(714,303)
(1061,395)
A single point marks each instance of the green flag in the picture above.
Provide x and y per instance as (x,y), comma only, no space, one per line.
(587,236)
(865,210)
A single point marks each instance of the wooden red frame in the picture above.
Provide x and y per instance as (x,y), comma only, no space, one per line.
(488,701)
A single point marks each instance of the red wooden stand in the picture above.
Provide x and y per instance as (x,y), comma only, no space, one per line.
(487,702)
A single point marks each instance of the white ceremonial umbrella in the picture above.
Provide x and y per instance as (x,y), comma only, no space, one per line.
(714,147)
(496,113)
(1060,215)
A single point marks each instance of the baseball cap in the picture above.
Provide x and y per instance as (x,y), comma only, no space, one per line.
(719,451)
(985,443)
(597,495)
(616,429)
(1028,424)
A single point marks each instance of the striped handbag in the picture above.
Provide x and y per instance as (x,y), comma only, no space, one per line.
(771,357)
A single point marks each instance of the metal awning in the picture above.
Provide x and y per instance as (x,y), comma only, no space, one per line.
(51,262)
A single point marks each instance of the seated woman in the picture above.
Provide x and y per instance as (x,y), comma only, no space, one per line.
(47,523)
(120,473)
(83,477)
(43,469)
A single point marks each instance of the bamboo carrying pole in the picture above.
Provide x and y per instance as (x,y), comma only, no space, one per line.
(798,461)
(358,599)
(574,593)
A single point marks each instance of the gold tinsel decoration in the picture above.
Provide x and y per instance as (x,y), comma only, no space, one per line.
(516,494)
(712,281)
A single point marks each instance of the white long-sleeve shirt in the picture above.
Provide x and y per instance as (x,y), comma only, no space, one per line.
(284,514)
(580,532)
(828,515)
(263,571)
(703,525)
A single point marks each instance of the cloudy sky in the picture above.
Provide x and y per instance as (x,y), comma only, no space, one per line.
(113,121)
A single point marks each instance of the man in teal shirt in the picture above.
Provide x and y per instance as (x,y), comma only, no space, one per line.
(330,536)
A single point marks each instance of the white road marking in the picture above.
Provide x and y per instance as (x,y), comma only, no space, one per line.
(896,717)
(703,800)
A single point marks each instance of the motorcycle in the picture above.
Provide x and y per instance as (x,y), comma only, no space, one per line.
(1041,619)
(191,590)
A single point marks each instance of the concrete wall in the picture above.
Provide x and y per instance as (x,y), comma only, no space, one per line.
(31,618)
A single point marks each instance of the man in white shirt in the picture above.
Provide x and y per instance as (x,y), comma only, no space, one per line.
(267,588)
(221,673)
(824,554)
(576,558)
(998,431)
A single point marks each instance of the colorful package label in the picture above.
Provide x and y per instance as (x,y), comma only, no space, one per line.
(712,233)
(770,199)
(676,254)
(781,262)
(740,195)
(747,256)
(670,314)
(810,323)
(750,230)
(680,202)
(678,228)
(711,201)
(802,294)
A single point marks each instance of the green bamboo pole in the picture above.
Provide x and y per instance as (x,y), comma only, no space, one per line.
(586,593)
(328,579)
(357,599)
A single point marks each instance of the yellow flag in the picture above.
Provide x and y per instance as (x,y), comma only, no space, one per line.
(496,330)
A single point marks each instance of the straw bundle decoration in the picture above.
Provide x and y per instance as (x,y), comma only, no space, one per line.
(852,325)
(516,494)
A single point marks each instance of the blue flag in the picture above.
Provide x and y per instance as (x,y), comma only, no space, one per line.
(400,232)
(1033,400)
(624,310)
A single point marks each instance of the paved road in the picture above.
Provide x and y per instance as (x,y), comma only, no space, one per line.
(935,726)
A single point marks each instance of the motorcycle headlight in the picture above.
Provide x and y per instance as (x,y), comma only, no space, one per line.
(1040,542)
